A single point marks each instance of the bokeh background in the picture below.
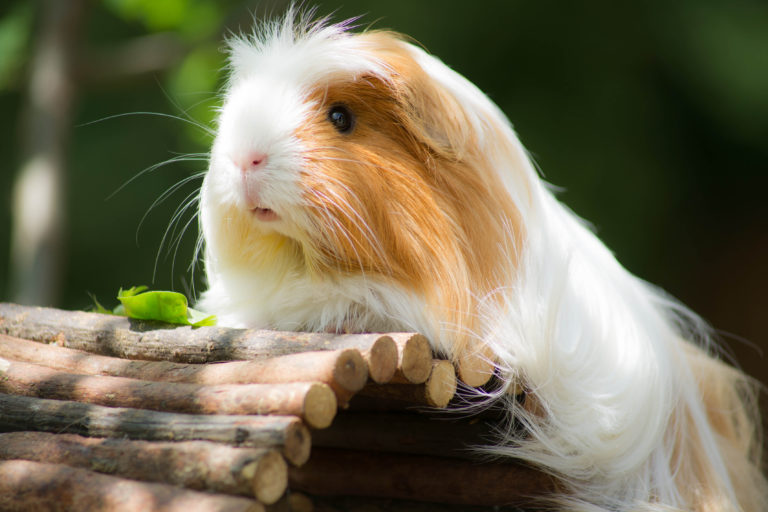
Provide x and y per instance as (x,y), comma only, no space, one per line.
(651,116)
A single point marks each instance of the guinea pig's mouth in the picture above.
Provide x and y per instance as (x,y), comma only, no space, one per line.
(264,214)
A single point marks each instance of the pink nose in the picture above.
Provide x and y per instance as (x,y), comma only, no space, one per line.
(252,161)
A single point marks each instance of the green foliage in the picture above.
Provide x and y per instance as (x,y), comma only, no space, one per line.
(194,19)
(15,28)
(193,84)
(721,52)
(162,306)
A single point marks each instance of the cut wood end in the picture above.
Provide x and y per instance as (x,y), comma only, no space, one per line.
(298,502)
(297,444)
(269,477)
(382,359)
(319,406)
(441,386)
(476,368)
(350,370)
(415,358)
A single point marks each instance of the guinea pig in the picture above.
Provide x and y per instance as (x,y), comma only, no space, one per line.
(358,184)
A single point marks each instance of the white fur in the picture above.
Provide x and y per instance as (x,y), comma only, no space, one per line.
(597,347)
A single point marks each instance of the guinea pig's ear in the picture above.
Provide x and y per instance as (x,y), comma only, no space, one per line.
(437,118)
(430,112)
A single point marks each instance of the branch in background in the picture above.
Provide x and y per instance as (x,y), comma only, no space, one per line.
(141,56)
(39,215)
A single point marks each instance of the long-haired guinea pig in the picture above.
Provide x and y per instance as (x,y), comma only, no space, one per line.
(357,183)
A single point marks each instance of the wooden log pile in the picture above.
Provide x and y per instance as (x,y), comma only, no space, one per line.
(106,413)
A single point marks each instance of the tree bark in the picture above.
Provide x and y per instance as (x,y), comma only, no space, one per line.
(137,339)
(356,504)
(199,465)
(408,433)
(286,432)
(419,478)
(314,402)
(34,486)
(343,370)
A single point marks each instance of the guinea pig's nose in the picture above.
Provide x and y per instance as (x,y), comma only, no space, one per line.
(252,161)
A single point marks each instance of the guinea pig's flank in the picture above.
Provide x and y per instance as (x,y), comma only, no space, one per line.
(358,184)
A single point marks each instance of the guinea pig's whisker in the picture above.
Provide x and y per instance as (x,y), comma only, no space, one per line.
(192,267)
(336,229)
(189,201)
(347,235)
(179,158)
(165,195)
(344,207)
(172,231)
(387,170)
(177,242)
(194,123)
(341,228)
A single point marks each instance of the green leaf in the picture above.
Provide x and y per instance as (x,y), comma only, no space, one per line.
(199,319)
(162,306)
(130,292)
(98,308)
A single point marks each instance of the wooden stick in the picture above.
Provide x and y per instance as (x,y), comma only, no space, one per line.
(341,369)
(137,339)
(475,367)
(436,392)
(420,478)
(382,357)
(401,432)
(20,413)
(312,401)
(296,502)
(414,358)
(367,504)
(200,465)
(33,486)
(441,385)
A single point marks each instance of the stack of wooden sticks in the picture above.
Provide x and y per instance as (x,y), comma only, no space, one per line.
(100,412)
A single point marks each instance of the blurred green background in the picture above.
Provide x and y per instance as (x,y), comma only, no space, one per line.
(652,116)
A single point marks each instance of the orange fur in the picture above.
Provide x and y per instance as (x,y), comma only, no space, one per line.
(409,198)
(729,399)
(445,245)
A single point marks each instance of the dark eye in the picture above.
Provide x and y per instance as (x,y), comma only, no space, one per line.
(341,118)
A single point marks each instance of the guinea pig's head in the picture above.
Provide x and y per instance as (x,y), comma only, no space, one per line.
(345,154)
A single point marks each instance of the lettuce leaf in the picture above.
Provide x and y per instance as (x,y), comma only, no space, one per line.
(162,306)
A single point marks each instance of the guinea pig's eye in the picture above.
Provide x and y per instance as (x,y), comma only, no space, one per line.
(341,118)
